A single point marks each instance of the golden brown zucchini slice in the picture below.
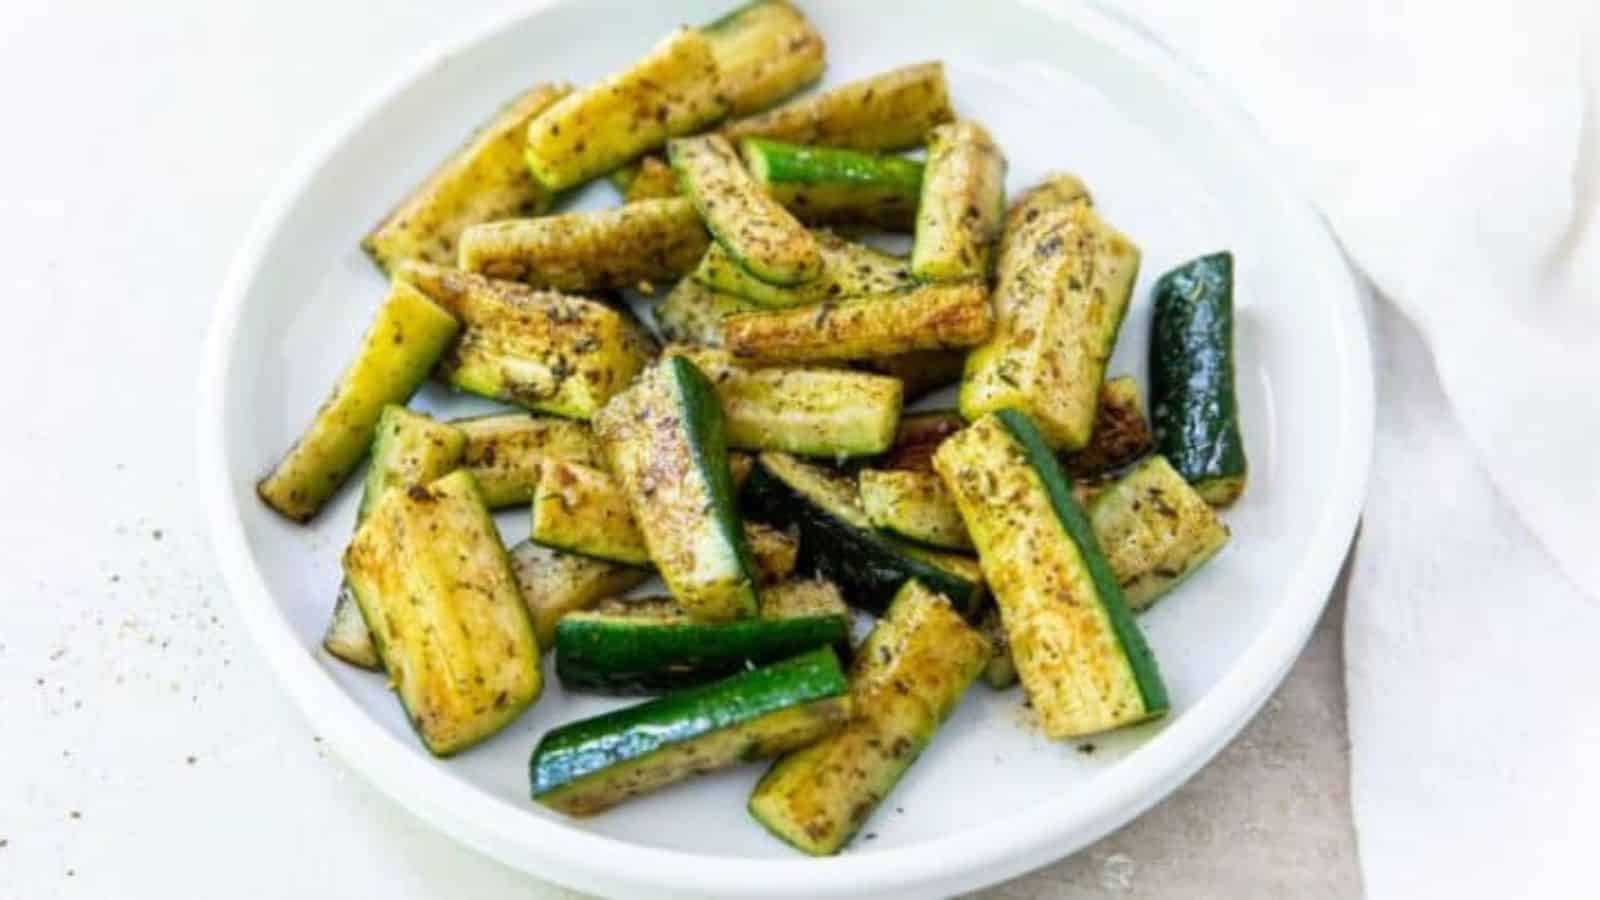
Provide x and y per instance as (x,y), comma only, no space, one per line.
(890,111)
(935,317)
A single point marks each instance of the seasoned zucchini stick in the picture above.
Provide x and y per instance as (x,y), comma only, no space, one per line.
(483,181)
(829,413)
(436,587)
(908,677)
(409,449)
(1156,530)
(1079,653)
(674,90)
(589,766)
(647,178)
(848,270)
(406,337)
(1121,432)
(646,242)
(1063,283)
(555,584)
(935,317)
(963,202)
(891,111)
(651,645)
(913,505)
(583,510)
(504,452)
(692,314)
(765,51)
(760,235)
(541,350)
(828,186)
(1194,408)
(665,441)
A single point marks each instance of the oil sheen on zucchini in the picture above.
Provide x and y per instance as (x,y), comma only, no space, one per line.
(1076,647)
(650,645)
(828,413)
(504,452)
(830,186)
(839,542)
(906,680)
(934,317)
(589,766)
(963,201)
(407,336)
(1193,405)
(541,350)
(673,90)
(848,270)
(765,51)
(1063,282)
(891,111)
(760,235)
(650,242)
(555,584)
(666,445)
(483,181)
(410,448)
(437,590)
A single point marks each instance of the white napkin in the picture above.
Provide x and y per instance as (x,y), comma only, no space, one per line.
(1455,149)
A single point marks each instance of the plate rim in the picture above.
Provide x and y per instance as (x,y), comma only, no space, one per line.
(984,854)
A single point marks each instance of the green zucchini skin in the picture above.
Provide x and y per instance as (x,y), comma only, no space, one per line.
(1194,410)
(838,542)
(649,646)
(591,765)
(1058,485)
(833,186)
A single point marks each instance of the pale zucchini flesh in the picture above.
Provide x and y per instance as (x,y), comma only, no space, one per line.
(1156,530)
(1063,283)
(934,317)
(555,584)
(848,270)
(541,350)
(907,678)
(673,90)
(761,236)
(649,242)
(765,51)
(963,202)
(913,505)
(483,181)
(829,185)
(505,452)
(406,338)
(436,588)
(891,111)
(692,314)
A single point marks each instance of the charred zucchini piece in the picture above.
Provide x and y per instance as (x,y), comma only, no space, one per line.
(589,766)
(674,90)
(1074,641)
(651,645)
(921,372)
(848,270)
(1155,530)
(829,413)
(504,452)
(665,441)
(436,588)
(838,541)
(829,186)
(760,235)
(1064,280)
(409,449)
(913,505)
(1121,432)
(908,677)
(652,241)
(555,584)
(483,181)
(541,350)
(1194,408)
(647,178)
(407,336)
(692,314)
(765,51)
(963,202)
(934,317)
(891,111)
(918,436)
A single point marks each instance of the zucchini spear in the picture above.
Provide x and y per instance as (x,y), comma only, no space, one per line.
(963,201)
(935,317)
(760,235)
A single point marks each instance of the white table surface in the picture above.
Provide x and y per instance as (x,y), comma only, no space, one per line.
(147,752)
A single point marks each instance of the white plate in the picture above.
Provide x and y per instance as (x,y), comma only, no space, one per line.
(1069,88)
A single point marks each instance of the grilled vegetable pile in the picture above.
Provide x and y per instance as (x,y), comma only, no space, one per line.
(753,450)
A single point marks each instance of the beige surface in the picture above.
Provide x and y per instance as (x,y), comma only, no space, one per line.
(1268,818)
